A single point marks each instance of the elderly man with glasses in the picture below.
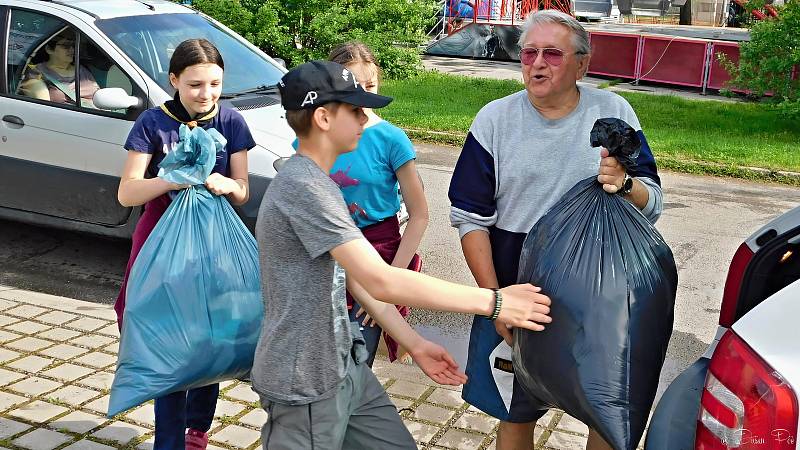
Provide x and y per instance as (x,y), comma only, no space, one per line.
(522,153)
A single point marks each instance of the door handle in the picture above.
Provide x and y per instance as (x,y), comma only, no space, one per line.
(14,119)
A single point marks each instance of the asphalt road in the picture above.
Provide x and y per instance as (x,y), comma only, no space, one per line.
(704,221)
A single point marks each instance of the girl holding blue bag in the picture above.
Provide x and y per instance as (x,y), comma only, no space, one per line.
(195,71)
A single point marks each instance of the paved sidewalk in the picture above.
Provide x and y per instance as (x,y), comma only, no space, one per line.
(57,360)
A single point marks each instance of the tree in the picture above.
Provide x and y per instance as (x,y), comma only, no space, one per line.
(301,30)
(770,61)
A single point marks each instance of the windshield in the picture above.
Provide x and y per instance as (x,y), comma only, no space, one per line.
(150,40)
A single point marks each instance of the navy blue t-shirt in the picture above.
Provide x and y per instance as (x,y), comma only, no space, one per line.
(156,133)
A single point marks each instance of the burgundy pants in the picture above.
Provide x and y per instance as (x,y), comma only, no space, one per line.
(385,237)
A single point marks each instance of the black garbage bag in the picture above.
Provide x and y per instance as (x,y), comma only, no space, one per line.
(612,281)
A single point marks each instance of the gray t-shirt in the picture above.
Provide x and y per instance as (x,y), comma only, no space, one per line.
(304,349)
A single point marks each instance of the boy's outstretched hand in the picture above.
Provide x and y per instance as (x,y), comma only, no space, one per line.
(437,363)
(524,306)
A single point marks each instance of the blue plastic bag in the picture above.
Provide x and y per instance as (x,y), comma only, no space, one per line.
(194,309)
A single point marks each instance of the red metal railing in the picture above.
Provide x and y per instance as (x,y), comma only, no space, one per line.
(501,12)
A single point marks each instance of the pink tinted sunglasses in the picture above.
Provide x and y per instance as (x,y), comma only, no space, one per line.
(552,56)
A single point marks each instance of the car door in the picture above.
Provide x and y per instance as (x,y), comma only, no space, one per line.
(59,156)
(765,263)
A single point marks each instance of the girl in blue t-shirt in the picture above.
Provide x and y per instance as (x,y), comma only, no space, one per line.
(369,178)
(195,71)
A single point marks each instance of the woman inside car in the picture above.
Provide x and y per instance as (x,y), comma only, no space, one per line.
(54,78)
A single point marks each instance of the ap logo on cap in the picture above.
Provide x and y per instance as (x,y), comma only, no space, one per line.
(310,97)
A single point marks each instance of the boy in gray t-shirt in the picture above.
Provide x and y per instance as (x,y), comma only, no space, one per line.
(309,366)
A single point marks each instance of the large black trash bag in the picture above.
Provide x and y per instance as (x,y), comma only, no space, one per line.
(612,281)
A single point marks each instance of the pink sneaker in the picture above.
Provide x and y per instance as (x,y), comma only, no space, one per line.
(196,440)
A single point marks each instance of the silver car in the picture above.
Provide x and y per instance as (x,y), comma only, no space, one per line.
(60,159)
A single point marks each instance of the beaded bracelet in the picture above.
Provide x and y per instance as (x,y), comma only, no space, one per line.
(498,303)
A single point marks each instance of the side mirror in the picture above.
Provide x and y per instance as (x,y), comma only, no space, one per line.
(114,99)
(280,61)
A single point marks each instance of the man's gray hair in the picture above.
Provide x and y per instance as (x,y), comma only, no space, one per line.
(580,37)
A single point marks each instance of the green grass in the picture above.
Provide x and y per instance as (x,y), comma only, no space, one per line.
(685,135)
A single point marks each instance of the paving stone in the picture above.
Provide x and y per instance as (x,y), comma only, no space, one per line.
(38,411)
(41,439)
(27,327)
(570,423)
(120,432)
(31,363)
(400,403)
(226,408)
(242,392)
(5,320)
(77,422)
(73,395)
(10,427)
(420,431)
(564,441)
(446,397)
(148,444)
(236,436)
(25,311)
(145,415)
(87,445)
(460,439)
(547,419)
(92,340)
(7,400)
(255,418)
(68,372)
(7,376)
(56,317)
(6,336)
(407,389)
(29,344)
(100,405)
(5,304)
(113,348)
(109,330)
(63,351)
(34,386)
(59,334)
(99,380)
(433,413)
(225,384)
(87,324)
(477,422)
(97,359)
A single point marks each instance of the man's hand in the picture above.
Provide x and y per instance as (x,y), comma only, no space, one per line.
(437,364)
(611,173)
(524,306)
(505,332)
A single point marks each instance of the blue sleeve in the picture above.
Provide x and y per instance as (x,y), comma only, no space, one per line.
(472,187)
(240,137)
(402,150)
(646,163)
(140,138)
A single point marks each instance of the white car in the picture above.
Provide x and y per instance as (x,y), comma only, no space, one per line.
(60,161)
(743,392)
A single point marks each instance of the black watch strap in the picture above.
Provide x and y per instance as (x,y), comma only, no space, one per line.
(627,185)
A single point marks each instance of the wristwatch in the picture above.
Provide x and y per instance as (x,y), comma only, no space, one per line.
(627,185)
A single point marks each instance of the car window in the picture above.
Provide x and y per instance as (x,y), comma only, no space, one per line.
(149,41)
(43,51)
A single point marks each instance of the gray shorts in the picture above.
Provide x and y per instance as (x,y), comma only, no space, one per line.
(360,416)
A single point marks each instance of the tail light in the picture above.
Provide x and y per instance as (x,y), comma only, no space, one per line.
(745,403)
(733,285)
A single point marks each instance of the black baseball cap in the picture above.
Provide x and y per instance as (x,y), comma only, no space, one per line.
(318,82)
